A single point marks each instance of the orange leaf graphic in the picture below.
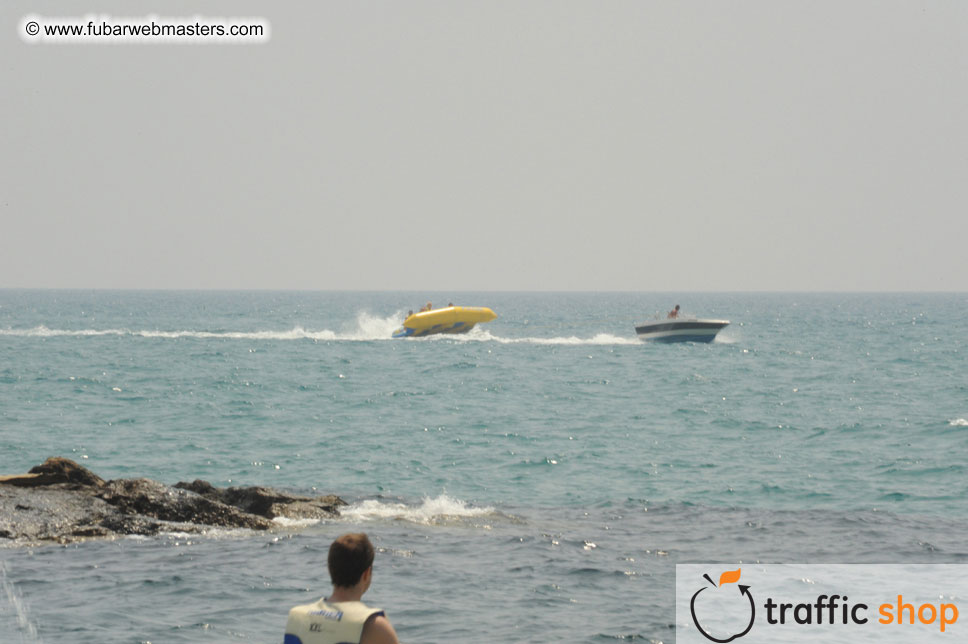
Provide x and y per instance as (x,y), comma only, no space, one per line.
(729,577)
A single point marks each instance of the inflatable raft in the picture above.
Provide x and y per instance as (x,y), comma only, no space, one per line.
(452,319)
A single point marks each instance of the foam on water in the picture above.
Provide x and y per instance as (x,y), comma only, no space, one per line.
(286,522)
(296,333)
(368,327)
(958,422)
(374,327)
(600,339)
(440,509)
(44,332)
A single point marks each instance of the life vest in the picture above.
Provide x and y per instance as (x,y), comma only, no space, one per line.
(328,623)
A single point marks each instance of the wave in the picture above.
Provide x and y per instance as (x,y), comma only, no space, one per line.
(442,509)
(958,422)
(368,328)
(296,333)
(431,511)
(287,522)
(598,339)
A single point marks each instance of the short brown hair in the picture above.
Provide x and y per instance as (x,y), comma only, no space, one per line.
(349,557)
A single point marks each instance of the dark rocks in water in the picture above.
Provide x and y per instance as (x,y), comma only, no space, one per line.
(152,499)
(64,470)
(267,502)
(54,471)
(63,501)
(52,514)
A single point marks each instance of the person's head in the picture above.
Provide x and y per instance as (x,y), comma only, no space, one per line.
(350,556)
(677,307)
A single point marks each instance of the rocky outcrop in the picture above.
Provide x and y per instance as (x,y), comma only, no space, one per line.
(64,470)
(266,502)
(55,471)
(61,501)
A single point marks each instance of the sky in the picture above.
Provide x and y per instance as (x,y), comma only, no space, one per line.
(493,145)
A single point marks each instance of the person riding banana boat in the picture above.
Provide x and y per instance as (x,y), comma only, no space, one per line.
(450,319)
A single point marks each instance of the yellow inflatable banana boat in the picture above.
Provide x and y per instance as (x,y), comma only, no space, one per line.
(452,319)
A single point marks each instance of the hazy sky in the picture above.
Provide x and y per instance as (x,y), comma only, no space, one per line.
(489,145)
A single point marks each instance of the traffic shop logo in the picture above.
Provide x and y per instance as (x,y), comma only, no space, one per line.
(723,612)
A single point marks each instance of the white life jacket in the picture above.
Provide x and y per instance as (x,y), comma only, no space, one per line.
(323,622)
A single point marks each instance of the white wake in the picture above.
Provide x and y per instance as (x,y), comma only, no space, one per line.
(366,327)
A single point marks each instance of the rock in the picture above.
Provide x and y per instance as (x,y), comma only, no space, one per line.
(152,499)
(267,502)
(29,480)
(51,513)
(64,470)
(61,501)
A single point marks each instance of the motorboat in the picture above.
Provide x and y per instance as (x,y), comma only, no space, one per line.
(450,319)
(680,329)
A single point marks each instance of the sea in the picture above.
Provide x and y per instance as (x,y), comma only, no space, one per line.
(537,479)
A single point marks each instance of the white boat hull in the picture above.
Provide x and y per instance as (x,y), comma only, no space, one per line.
(676,330)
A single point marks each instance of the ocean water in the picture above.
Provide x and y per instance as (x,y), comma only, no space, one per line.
(535,480)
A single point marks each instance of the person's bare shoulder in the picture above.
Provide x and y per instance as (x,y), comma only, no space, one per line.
(378,630)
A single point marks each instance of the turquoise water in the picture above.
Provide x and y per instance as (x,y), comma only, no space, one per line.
(537,479)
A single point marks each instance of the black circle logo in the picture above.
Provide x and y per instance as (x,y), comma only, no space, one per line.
(726,578)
